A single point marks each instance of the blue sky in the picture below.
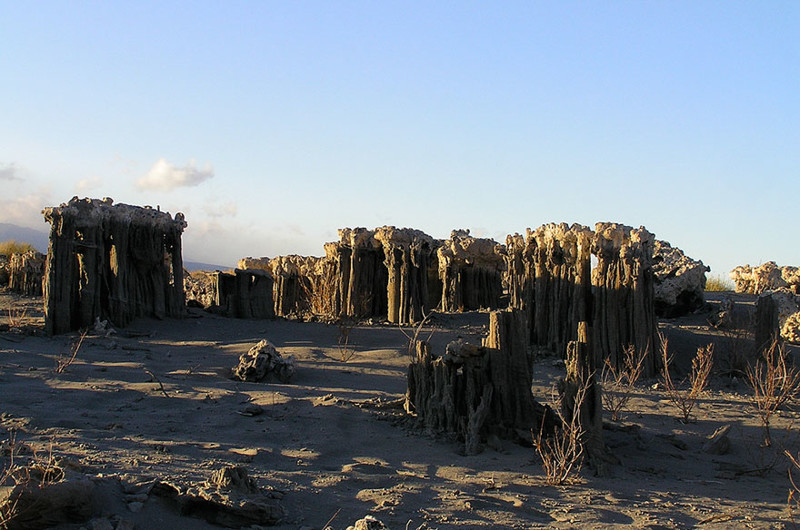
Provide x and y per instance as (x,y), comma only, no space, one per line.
(272,124)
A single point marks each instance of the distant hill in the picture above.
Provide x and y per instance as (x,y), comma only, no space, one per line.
(40,239)
(197,266)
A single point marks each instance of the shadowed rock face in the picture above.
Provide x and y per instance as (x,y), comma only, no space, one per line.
(777,316)
(680,281)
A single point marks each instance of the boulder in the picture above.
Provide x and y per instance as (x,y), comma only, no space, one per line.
(261,361)
(680,281)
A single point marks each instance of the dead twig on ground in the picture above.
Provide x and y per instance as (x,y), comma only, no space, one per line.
(63,361)
(157,380)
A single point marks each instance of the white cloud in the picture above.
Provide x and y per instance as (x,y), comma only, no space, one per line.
(84,185)
(166,177)
(25,210)
(9,172)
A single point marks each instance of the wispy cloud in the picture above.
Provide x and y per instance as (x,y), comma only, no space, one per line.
(88,184)
(225,209)
(165,176)
(25,210)
(9,172)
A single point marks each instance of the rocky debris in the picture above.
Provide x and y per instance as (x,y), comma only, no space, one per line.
(230,498)
(471,271)
(679,281)
(261,361)
(777,316)
(724,317)
(25,272)
(42,497)
(116,262)
(765,277)
(199,288)
(368,523)
(718,443)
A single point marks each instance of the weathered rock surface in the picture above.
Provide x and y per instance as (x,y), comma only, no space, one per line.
(261,361)
(115,262)
(549,276)
(471,272)
(408,257)
(623,287)
(765,277)
(26,272)
(679,281)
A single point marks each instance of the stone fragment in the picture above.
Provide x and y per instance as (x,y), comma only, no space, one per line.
(263,360)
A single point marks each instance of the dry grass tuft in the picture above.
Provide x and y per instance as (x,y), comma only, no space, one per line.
(13,246)
(718,284)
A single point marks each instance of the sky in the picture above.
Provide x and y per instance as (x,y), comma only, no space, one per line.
(272,124)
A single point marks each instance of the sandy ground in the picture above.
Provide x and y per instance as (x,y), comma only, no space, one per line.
(155,402)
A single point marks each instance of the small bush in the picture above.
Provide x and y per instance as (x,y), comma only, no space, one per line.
(718,284)
(14,247)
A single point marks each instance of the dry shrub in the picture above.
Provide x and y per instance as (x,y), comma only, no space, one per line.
(774,383)
(320,291)
(414,338)
(619,382)
(794,493)
(16,315)
(562,451)
(685,396)
(345,327)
